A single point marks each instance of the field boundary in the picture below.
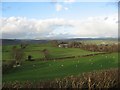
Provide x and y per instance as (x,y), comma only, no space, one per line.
(80,56)
(69,57)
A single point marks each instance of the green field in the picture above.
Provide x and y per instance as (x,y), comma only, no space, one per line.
(46,70)
(35,51)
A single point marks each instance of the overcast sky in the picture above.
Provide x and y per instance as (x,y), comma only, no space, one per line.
(57,20)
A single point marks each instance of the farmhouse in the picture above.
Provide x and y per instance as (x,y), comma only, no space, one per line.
(63,45)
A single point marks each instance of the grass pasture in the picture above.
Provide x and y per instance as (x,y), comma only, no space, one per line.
(90,80)
(46,70)
(49,70)
(35,51)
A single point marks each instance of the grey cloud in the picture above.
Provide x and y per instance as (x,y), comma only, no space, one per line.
(105,18)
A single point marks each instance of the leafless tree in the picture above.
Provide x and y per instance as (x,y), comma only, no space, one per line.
(54,43)
(46,53)
(17,54)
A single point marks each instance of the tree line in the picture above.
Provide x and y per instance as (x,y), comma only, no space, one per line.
(90,47)
(95,47)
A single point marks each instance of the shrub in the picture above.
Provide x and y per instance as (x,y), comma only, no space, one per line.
(91,80)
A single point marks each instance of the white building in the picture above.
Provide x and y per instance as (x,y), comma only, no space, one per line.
(63,45)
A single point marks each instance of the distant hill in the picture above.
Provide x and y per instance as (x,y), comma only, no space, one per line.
(19,41)
(82,39)
(93,39)
(32,41)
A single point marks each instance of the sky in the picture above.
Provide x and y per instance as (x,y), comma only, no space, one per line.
(59,20)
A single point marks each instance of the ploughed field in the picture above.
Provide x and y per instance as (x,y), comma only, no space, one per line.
(51,69)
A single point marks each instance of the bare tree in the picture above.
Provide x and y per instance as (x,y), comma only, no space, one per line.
(23,45)
(17,54)
(54,43)
(46,53)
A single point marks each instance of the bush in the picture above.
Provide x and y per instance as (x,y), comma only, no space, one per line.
(91,80)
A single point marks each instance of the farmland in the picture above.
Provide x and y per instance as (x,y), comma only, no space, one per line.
(46,70)
(35,51)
